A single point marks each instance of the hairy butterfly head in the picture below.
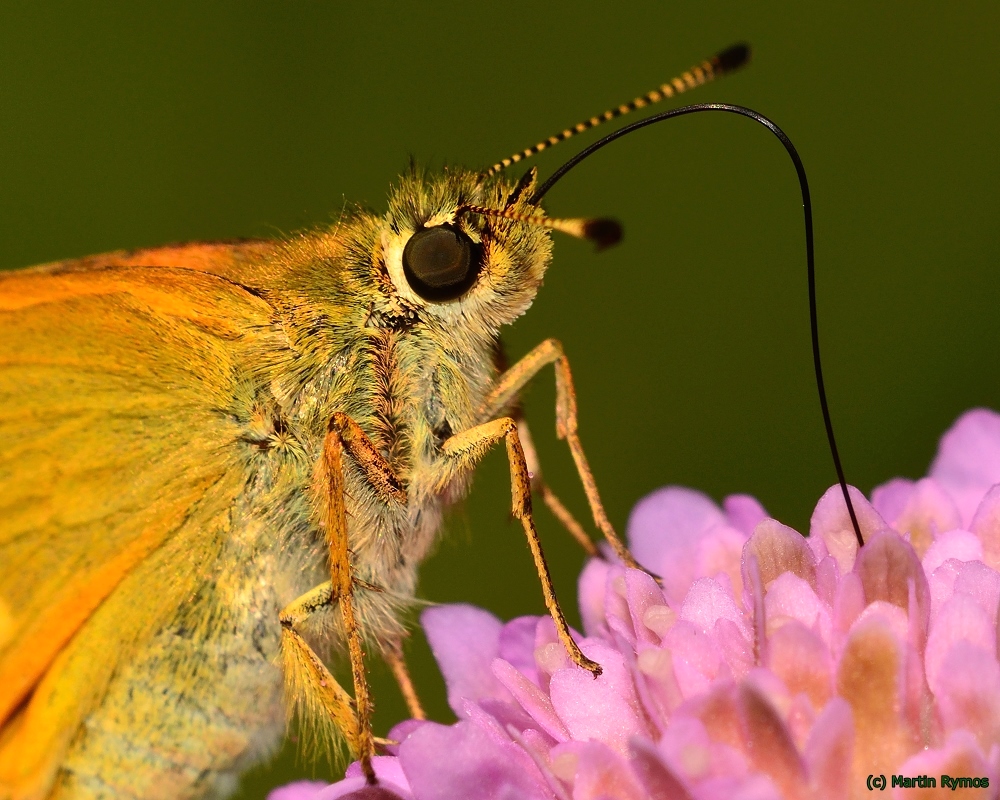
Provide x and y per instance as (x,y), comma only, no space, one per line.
(451,267)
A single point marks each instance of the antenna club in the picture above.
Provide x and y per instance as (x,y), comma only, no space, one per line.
(732,58)
(603,232)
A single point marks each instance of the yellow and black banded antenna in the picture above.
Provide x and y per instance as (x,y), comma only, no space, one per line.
(722,63)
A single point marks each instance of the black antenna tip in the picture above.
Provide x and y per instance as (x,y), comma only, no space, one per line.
(733,57)
(603,232)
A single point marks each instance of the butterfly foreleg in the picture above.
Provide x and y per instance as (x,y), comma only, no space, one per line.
(466,448)
(503,394)
(308,672)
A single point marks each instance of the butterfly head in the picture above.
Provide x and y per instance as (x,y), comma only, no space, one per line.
(455,265)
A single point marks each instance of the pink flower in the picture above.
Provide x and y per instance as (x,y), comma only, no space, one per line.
(766,665)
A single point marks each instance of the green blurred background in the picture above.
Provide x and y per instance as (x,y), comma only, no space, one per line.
(123,126)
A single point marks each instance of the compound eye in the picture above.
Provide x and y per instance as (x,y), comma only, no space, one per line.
(440,263)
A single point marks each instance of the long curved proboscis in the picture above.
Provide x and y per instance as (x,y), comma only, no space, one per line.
(810,254)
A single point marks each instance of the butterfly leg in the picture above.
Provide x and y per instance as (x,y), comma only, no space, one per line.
(344,434)
(309,686)
(541,488)
(507,387)
(397,663)
(468,447)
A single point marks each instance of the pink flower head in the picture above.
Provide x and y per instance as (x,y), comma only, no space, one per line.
(763,665)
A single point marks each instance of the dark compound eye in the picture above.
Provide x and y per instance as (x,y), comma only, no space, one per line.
(440,263)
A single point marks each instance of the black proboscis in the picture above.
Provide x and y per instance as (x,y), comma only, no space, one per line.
(810,249)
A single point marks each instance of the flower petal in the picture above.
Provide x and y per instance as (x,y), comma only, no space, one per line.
(720,555)
(925,511)
(300,790)
(780,549)
(891,571)
(790,597)
(532,699)
(689,751)
(658,779)
(831,523)
(695,658)
(769,743)
(961,619)
(982,584)
(986,525)
(830,747)
(646,605)
(601,773)
(517,645)
(871,678)
(465,640)
(656,670)
(392,783)
(744,512)
(802,661)
(463,761)
(663,532)
(591,588)
(708,602)
(604,708)
(358,789)
(967,691)
(891,498)
(968,459)
(957,544)
(742,718)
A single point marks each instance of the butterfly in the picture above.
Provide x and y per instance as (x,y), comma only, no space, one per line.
(217,459)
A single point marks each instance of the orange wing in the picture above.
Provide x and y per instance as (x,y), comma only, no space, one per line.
(120,385)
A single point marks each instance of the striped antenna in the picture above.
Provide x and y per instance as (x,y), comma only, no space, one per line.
(729,60)
(602,231)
